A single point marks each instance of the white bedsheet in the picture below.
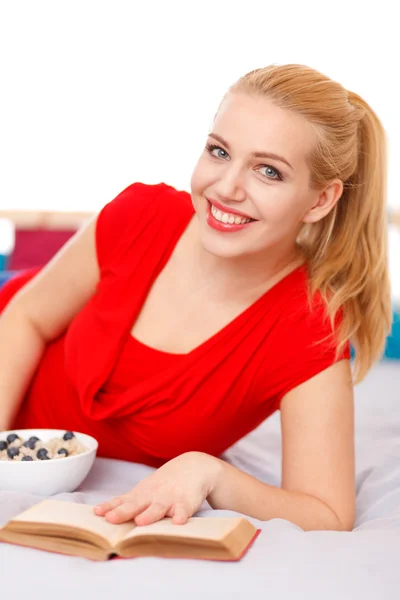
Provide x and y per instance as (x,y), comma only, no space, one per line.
(285,562)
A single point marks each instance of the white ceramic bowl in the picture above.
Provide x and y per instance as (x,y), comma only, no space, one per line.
(47,477)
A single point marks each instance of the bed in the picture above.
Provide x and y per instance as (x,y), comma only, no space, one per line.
(285,562)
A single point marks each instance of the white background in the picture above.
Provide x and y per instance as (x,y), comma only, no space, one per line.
(98,94)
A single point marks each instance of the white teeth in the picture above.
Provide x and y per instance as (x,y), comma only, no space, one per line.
(228,217)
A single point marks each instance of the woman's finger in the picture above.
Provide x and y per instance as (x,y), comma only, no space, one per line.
(181,514)
(155,512)
(126,511)
(104,507)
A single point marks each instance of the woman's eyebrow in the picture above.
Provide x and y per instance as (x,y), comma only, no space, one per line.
(255,154)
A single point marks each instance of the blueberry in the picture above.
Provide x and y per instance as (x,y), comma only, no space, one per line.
(63,451)
(68,435)
(26,458)
(12,437)
(42,454)
(3,445)
(13,451)
(31,443)
(33,438)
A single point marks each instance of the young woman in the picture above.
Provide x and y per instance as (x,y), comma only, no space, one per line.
(174,324)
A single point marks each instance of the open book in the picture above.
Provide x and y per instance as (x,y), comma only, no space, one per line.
(70,528)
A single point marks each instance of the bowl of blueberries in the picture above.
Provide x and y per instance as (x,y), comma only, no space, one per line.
(45,461)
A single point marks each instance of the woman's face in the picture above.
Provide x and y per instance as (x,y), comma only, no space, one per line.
(231,176)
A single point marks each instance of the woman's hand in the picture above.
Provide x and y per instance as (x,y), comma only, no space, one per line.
(177,490)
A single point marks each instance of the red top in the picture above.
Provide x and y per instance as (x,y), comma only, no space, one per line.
(145,405)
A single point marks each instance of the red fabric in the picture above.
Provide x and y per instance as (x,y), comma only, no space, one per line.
(148,406)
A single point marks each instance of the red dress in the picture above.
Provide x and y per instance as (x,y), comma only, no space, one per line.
(145,405)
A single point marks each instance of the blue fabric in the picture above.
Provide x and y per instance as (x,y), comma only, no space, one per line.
(392,350)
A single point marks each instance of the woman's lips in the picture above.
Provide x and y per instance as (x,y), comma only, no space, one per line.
(230,211)
(225,227)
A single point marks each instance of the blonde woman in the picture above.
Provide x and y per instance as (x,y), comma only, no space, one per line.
(175,323)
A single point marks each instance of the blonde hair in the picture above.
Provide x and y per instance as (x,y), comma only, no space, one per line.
(346,251)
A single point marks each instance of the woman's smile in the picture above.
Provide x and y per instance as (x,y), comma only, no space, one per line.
(225,221)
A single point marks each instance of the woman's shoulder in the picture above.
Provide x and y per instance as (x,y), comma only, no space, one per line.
(137,197)
(304,341)
(132,209)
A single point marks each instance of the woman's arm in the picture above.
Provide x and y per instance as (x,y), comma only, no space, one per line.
(318,478)
(318,487)
(39,313)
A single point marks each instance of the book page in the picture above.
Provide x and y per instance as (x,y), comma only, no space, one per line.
(200,528)
(73,515)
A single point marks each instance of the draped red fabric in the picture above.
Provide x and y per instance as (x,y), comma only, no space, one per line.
(145,405)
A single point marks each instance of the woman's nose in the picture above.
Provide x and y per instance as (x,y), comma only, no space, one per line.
(231,185)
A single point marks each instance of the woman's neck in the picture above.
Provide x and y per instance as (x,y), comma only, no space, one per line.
(244,278)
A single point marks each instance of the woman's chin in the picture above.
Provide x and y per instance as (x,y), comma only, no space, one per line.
(222,248)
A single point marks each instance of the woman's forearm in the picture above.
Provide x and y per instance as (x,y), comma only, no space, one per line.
(240,492)
(21,347)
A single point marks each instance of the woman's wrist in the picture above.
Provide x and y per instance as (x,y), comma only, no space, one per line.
(221,483)
(213,467)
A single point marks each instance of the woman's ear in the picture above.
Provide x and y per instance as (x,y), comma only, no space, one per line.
(326,200)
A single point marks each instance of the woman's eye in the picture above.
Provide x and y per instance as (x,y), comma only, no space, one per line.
(221,153)
(271,173)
